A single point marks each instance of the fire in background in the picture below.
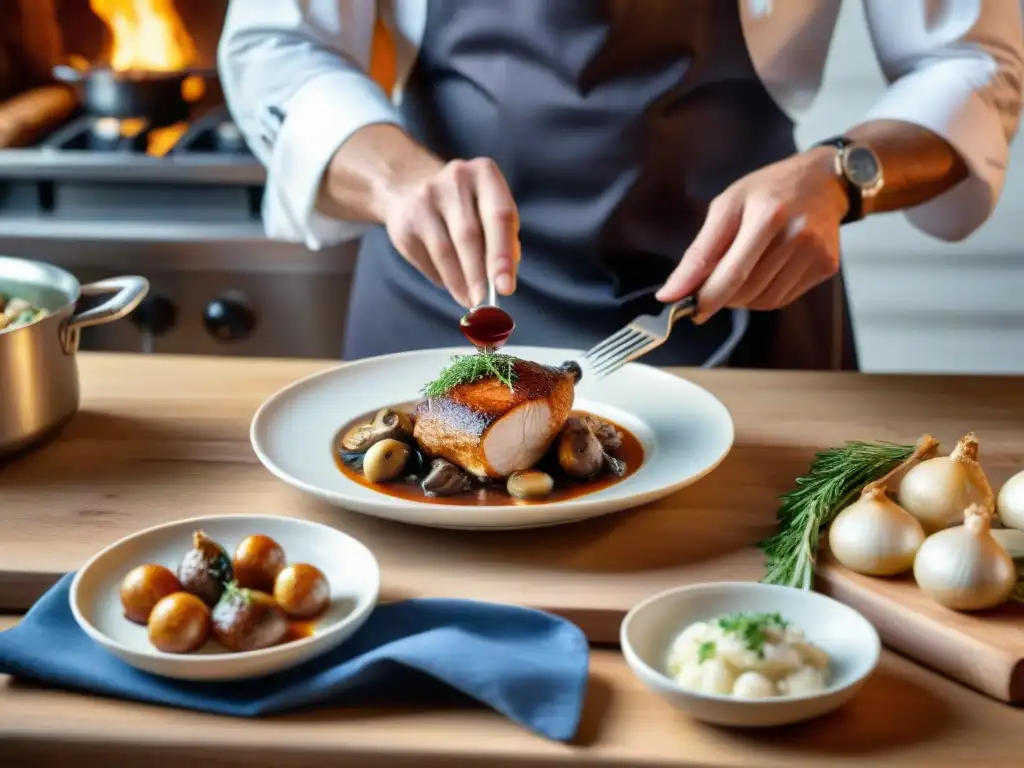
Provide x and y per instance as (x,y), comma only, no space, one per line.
(150,36)
(146,35)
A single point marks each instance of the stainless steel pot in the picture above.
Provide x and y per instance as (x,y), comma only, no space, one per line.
(38,363)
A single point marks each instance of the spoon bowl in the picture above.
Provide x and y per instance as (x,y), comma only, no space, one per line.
(487,327)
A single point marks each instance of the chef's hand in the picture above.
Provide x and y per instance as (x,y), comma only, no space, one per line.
(768,239)
(457,223)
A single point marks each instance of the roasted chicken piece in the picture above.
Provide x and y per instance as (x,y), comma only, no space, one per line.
(491,430)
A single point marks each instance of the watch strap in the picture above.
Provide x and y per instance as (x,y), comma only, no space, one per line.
(854,194)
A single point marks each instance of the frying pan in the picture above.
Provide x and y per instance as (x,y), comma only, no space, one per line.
(155,96)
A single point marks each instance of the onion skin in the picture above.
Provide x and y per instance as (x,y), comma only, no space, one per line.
(1012,540)
(938,490)
(1010,502)
(965,568)
(875,536)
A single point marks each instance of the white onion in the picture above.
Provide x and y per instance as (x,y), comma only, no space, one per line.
(1010,502)
(965,568)
(937,491)
(874,535)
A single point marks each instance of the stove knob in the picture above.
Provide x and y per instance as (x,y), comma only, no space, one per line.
(155,315)
(229,318)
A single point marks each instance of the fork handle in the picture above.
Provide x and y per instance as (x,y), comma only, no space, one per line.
(685,307)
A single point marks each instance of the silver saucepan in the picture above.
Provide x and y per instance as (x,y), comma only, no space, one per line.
(38,361)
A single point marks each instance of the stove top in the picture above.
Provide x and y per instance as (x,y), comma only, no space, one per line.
(105,177)
(209,148)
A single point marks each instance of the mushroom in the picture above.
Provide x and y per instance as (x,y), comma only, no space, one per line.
(444,479)
(385,460)
(205,568)
(613,466)
(530,484)
(579,452)
(357,438)
(248,620)
(392,423)
(571,366)
(388,424)
(606,434)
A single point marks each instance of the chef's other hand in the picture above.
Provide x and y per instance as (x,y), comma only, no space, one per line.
(457,224)
(767,239)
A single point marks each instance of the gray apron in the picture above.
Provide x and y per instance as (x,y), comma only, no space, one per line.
(615,122)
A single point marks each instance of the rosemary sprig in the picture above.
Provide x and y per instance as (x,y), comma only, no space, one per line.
(465,369)
(835,478)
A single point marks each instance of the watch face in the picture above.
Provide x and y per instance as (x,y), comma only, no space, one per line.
(862,166)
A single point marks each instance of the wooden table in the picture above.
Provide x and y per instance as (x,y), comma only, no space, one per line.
(164,438)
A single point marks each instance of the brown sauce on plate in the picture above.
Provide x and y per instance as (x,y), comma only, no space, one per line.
(484,494)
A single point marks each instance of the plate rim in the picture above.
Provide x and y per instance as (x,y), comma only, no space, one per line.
(357,617)
(585,505)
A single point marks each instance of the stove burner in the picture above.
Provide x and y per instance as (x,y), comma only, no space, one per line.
(112,134)
(212,133)
(229,138)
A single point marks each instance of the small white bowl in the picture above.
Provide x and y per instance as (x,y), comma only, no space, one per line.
(350,568)
(851,642)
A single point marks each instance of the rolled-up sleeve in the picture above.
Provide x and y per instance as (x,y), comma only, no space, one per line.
(955,67)
(294,74)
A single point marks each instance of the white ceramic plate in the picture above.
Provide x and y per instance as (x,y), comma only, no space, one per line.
(684,429)
(849,639)
(351,570)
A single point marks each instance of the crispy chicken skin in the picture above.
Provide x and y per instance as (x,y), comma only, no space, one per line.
(490,430)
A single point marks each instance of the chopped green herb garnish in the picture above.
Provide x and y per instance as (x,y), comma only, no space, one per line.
(751,627)
(232,590)
(465,369)
(706,651)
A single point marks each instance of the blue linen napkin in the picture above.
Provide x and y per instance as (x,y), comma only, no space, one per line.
(528,665)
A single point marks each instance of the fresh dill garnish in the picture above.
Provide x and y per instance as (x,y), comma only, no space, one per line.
(835,478)
(705,651)
(751,627)
(465,369)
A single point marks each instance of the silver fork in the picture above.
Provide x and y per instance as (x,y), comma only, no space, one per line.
(639,337)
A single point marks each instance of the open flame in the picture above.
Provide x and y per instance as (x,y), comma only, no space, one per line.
(148,35)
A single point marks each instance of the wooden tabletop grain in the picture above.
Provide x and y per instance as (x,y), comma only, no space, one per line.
(163,438)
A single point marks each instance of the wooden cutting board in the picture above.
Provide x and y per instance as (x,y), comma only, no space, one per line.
(984,650)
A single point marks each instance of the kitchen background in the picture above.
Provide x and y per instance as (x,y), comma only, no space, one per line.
(176,199)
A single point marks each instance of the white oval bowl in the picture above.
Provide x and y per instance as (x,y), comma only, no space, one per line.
(685,431)
(350,568)
(853,646)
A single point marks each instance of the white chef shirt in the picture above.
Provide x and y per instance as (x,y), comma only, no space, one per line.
(294,73)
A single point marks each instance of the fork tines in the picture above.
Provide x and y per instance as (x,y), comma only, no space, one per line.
(637,338)
(621,347)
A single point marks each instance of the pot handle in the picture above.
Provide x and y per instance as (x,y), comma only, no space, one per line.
(128,292)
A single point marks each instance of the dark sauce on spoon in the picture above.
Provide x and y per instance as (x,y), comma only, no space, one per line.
(487,327)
